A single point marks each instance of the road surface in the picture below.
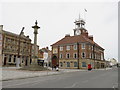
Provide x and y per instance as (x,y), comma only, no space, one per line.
(79,79)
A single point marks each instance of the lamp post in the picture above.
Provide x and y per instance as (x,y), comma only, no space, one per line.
(18,58)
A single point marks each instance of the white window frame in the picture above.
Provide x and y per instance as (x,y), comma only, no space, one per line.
(83,45)
(75,47)
(101,56)
(68,47)
(61,55)
(90,55)
(61,48)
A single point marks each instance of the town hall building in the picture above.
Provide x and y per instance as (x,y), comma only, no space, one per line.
(72,52)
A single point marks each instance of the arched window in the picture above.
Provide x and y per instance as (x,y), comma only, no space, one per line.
(75,55)
(67,55)
(83,54)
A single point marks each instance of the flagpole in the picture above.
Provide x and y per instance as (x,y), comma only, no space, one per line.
(85,14)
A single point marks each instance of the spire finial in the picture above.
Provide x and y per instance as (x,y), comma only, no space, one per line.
(36,22)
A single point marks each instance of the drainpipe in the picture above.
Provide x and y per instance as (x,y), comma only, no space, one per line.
(94,54)
(78,54)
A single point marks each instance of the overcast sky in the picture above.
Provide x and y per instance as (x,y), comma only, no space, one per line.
(57,19)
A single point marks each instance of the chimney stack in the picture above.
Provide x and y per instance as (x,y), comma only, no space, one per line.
(91,37)
(47,48)
(67,35)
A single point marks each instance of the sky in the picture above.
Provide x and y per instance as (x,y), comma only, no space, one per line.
(56,19)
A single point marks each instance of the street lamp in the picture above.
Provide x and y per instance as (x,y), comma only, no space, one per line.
(18,59)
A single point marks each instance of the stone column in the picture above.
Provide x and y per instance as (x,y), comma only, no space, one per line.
(12,58)
(35,42)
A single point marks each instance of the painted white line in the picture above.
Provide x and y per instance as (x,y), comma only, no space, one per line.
(72,86)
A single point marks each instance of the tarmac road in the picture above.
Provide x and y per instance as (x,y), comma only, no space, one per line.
(80,79)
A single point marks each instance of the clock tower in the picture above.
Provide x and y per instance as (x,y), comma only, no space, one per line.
(79,27)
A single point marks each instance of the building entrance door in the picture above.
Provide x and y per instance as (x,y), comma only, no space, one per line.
(54,61)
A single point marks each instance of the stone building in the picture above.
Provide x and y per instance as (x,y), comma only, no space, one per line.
(10,44)
(78,51)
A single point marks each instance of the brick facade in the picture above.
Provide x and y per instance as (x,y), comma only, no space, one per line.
(78,51)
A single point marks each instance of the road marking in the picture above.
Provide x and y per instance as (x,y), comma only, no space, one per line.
(72,86)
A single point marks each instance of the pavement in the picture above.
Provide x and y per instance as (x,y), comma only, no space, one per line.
(10,73)
(78,79)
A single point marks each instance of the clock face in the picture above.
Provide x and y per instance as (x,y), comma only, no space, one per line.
(77,32)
